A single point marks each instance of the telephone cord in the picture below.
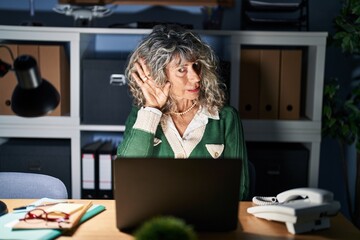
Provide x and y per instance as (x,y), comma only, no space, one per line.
(262,201)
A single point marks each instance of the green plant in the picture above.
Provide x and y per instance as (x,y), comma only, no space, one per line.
(341,121)
(341,115)
(347,26)
(165,228)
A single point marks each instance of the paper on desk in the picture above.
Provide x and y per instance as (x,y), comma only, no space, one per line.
(68,208)
(76,210)
(6,231)
(8,220)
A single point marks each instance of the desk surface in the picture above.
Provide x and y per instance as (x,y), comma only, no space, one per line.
(103,226)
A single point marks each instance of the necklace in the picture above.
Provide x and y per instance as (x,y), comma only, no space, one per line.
(186,111)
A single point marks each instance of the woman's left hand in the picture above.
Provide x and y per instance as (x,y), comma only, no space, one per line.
(155,96)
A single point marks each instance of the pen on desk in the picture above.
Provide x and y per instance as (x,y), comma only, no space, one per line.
(41,205)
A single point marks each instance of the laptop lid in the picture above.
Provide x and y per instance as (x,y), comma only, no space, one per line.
(202,192)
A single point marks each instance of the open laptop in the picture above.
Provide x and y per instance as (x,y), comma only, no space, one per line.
(202,192)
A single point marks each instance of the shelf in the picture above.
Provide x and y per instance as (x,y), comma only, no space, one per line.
(275,15)
(282,130)
(38,131)
(83,42)
(62,121)
(103,128)
(272,6)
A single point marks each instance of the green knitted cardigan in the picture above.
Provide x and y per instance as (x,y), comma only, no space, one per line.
(226,130)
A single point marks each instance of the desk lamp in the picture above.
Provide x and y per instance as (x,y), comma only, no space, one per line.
(33,96)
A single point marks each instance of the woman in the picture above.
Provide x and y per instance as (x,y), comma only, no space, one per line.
(179,99)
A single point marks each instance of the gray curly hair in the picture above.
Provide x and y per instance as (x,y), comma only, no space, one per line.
(165,43)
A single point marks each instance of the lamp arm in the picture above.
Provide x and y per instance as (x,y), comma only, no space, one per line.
(9,50)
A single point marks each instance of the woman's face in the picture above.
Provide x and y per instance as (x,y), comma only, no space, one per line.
(184,77)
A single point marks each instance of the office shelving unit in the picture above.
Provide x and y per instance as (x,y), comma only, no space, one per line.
(84,42)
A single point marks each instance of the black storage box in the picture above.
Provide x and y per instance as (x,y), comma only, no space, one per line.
(46,156)
(106,99)
(279,166)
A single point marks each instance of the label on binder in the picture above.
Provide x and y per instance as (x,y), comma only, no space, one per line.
(88,171)
(105,171)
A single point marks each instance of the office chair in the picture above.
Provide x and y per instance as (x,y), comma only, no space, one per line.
(31,185)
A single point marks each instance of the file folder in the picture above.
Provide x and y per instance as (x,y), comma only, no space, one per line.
(106,156)
(290,84)
(249,83)
(55,68)
(89,173)
(269,84)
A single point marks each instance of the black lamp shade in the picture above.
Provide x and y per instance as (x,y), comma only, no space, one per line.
(33,96)
(34,102)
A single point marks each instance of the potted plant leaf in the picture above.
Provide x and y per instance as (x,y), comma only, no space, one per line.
(165,228)
(341,121)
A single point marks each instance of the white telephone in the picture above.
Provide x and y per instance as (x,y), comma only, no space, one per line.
(302,209)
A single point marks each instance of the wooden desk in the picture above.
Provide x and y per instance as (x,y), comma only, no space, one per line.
(103,226)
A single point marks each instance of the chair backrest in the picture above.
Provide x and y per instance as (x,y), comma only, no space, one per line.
(31,185)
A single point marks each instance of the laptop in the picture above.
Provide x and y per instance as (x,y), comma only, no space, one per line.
(202,192)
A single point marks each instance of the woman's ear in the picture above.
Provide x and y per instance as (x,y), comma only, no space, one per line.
(167,88)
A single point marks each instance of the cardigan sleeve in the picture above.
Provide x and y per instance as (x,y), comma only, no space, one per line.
(139,133)
(235,147)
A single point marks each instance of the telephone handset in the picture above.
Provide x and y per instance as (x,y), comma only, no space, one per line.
(315,195)
(302,209)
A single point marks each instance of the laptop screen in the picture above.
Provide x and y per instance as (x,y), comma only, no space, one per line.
(202,192)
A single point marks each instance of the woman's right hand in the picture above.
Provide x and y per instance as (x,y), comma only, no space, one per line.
(155,96)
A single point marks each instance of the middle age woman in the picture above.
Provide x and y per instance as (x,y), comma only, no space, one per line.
(180,107)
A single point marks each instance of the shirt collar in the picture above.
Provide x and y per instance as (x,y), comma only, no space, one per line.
(201,119)
(203,111)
